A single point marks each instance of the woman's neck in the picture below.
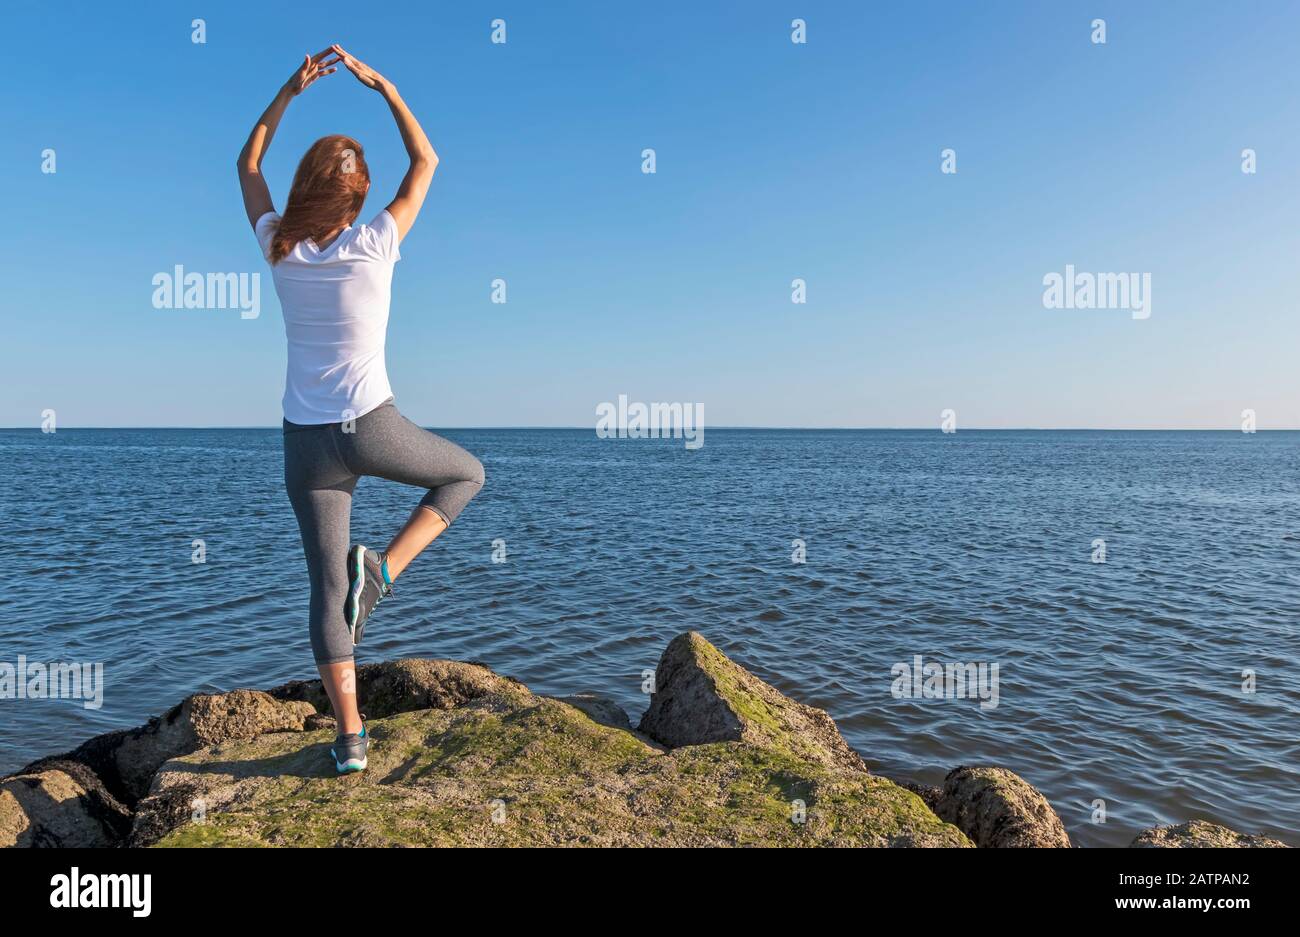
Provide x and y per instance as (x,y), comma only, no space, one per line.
(328,239)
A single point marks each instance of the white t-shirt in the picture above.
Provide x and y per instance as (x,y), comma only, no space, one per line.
(335,304)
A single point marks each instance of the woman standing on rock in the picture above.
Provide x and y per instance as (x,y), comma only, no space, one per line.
(334,282)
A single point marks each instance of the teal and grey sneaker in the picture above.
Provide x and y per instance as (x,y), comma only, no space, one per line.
(368,585)
(350,750)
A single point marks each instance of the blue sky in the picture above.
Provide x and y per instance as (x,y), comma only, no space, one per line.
(774,160)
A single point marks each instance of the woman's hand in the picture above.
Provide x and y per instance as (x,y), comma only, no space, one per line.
(312,67)
(365,74)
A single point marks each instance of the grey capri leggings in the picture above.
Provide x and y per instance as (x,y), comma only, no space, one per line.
(322,465)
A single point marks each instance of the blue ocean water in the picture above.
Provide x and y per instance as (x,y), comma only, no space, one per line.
(1119,682)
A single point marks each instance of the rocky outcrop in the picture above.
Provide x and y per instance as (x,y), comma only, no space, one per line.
(998,809)
(1200,834)
(503,766)
(60,804)
(463,756)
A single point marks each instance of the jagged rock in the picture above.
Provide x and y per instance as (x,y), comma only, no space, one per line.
(701,696)
(62,803)
(399,686)
(507,767)
(997,808)
(125,761)
(1200,834)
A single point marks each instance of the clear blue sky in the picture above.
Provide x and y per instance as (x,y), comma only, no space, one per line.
(775,161)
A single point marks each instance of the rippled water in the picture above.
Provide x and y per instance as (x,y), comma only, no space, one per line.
(1119,682)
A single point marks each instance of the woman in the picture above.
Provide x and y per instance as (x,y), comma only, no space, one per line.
(334,281)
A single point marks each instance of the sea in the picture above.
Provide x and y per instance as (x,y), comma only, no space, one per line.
(1125,602)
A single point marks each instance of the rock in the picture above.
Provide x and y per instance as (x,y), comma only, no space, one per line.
(599,709)
(996,808)
(701,697)
(1200,834)
(499,765)
(60,804)
(242,714)
(400,686)
(318,721)
(930,795)
(126,760)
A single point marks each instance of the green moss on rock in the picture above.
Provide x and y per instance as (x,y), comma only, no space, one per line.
(513,769)
(703,696)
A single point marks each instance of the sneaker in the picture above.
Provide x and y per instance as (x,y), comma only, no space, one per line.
(350,750)
(368,585)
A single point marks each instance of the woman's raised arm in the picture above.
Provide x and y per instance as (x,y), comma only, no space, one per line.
(415,184)
(257,197)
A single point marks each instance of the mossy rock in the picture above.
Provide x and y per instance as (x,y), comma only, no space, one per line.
(703,696)
(510,768)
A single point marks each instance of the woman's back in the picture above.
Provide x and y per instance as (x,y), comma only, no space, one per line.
(335,302)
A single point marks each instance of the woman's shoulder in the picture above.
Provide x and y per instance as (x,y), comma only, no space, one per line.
(379,238)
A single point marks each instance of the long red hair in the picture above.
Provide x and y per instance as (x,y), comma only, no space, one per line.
(328,191)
